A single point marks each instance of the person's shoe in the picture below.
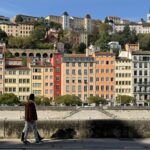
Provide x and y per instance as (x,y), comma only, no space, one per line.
(26,142)
(41,138)
(38,142)
(22,136)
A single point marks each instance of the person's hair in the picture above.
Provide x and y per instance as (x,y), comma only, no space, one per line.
(31,97)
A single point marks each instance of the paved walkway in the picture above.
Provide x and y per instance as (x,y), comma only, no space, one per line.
(79,144)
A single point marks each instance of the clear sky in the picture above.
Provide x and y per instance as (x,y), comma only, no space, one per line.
(98,9)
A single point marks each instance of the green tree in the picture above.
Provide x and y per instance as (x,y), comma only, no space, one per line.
(144,41)
(38,34)
(3,36)
(9,99)
(18,19)
(97,100)
(104,36)
(81,48)
(42,100)
(125,99)
(68,100)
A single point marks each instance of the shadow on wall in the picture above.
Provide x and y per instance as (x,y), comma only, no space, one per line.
(69,129)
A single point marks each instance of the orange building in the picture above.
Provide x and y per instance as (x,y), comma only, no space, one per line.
(105,75)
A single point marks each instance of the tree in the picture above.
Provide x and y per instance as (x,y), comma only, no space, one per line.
(81,48)
(9,99)
(42,100)
(38,34)
(144,41)
(104,36)
(67,47)
(18,19)
(125,99)
(3,36)
(97,100)
(68,100)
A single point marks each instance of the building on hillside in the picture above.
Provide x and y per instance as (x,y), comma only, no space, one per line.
(57,63)
(105,75)
(17,78)
(148,17)
(132,47)
(56,19)
(114,45)
(123,77)
(141,75)
(78,76)
(115,19)
(86,24)
(17,30)
(26,18)
(2,67)
(4,19)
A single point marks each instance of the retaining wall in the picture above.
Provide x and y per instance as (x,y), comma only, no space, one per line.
(80,129)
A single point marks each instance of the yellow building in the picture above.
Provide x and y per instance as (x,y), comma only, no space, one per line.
(78,76)
(17,79)
(17,30)
(123,77)
(42,78)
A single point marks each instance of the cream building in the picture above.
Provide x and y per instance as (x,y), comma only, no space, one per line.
(78,76)
(17,30)
(123,77)
(17,79)
(2,68)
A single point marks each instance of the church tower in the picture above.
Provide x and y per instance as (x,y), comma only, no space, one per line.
(148,16)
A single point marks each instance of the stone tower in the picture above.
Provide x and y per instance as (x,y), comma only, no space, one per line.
(65,20)
(148,16)
(88,23)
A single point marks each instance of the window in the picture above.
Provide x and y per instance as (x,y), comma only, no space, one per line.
(102,70)
(79,72)
(85,88)
(97,88)
(107,88)
(67,71)
(107,70)
(85,64)
(73,64)
(46,77)
(79,88)
(73,88)
(57,78)
(67,88)
(91,64)
(97,79)
(107,62)
(102,79)
(91,87)
(85,71)
(91,79)
(67,64)
(79,64)
(73,71)
(107,78)
(46,70)
(67,80)
(102,88)
(57,69)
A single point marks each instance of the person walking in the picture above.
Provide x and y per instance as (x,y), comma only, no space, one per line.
(30,121)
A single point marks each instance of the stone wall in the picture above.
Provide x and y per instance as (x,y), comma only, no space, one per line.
(80,129)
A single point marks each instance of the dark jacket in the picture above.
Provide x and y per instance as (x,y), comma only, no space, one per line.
(30,111)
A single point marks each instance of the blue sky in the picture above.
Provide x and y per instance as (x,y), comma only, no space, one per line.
(99,9)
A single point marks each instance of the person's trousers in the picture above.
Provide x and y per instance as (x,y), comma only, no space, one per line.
(33,126)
